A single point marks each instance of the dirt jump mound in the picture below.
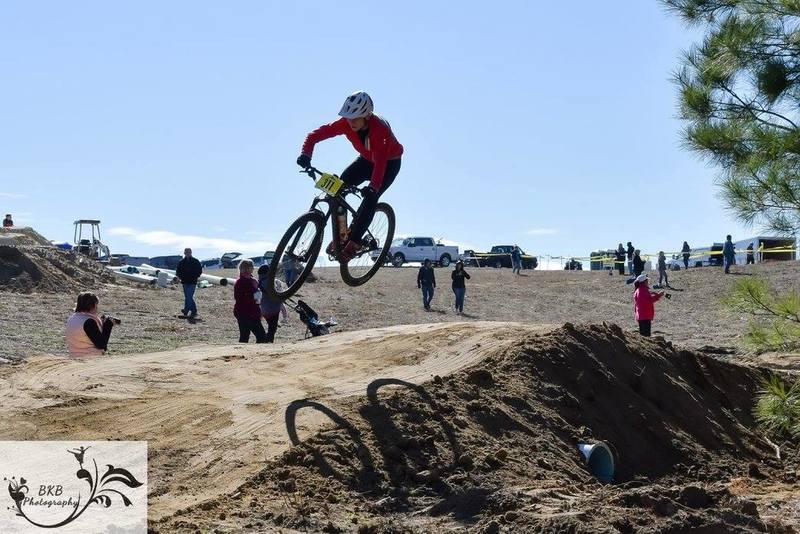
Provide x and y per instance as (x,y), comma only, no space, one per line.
(495,448)
(46,269)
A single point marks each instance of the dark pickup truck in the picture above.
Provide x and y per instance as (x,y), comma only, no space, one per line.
(499,256)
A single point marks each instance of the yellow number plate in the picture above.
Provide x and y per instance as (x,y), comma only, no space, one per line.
(330,183)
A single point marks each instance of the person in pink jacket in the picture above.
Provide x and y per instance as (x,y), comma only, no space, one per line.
(643,304)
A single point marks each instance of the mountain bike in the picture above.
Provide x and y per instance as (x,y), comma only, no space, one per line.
(300,246)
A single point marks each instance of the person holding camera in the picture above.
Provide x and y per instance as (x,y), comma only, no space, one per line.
(87,332)
(643,304)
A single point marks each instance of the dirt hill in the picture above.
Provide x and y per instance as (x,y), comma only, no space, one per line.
(29,263)
(493,448)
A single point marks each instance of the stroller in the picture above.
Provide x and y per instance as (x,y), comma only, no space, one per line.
(310,318)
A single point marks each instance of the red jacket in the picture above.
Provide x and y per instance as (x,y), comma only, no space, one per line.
(245,303)
(643,300)
(381,144)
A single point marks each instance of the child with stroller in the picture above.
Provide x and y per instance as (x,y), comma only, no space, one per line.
(271,310)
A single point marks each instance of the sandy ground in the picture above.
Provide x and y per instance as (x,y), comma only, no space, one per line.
(212,415)
(694,317)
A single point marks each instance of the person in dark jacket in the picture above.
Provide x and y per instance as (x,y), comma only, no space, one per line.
(687,251)
(426,280)
(188,271)
(751,259)
(630,252)
(246,309)
(459,287)
(728,254)
(638,263)
(619,259)
(516,260)
(8,222)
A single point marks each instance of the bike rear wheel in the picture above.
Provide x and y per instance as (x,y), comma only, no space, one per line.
(295,255)
(376,243)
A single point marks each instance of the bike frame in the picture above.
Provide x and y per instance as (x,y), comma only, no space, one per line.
(333,204)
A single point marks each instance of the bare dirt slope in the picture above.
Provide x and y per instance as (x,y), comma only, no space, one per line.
(213,415)
(29,263)
(493,448)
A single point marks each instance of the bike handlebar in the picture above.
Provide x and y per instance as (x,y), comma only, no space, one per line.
(312,172)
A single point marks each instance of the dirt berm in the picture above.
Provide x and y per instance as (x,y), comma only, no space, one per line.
(493,448)
(28,262)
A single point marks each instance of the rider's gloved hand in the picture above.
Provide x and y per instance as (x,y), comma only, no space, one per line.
(304,160)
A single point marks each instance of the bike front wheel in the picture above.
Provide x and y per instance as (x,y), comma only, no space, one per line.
(375,248)
(295,255)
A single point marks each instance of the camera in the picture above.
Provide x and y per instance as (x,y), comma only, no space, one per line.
(113,319)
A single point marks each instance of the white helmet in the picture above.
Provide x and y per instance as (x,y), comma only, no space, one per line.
(356,105)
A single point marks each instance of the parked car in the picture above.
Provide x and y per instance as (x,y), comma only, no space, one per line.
(230,260)
(165,262)
(419,249)
(127,259)
(499,256)
(213,263)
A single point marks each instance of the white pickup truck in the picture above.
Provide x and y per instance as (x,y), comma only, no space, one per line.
(419,249)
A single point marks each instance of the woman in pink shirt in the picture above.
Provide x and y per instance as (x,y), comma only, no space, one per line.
(87,332)
(643,304)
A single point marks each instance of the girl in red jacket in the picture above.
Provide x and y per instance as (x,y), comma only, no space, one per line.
(643,300)
(378,160)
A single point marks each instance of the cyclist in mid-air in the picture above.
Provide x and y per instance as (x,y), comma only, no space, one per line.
(378,161)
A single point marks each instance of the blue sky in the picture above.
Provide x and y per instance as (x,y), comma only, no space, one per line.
(552,125)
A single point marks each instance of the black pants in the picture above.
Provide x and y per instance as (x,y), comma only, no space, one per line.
(620,266)
(644,327)
(361,171)
(272,327)
(247,325)
(751,259)
(685,261)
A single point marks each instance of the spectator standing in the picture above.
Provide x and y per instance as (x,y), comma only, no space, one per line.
(8,222)
(246,308)
(459,286)
(188,271)
(426,280)
(270,309)
(687,251)
(619,259)
(630,253)
(728,254)
(87,332)
(643,304)
(638,263)
(516,260)
(663,279)
(751,260)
